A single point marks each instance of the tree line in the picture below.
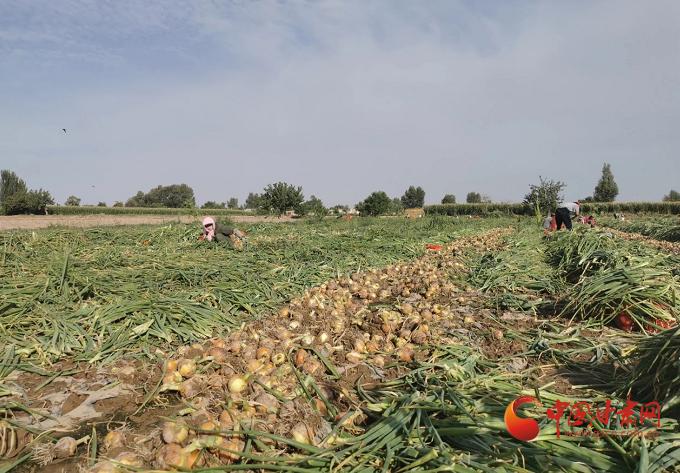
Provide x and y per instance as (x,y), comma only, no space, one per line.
(282,197)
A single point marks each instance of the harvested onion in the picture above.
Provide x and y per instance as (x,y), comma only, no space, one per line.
(174,433)
(186,368)
(129,459)
(65,447)
(114,439)
(174,456)
(300,433)
(237,384)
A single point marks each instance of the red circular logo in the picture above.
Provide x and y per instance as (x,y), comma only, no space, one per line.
(520,427)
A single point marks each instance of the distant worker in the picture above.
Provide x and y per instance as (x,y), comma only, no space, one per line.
(219,233)
(564,212)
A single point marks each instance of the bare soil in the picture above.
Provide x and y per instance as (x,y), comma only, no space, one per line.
(31,222)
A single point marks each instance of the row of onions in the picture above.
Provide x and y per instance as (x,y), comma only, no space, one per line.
(289,385)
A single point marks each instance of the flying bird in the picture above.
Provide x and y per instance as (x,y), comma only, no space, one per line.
(64,130)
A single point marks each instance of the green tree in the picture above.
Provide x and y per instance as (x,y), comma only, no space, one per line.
(173,196)
(27,202)
(473,198)
(213,205)
(280,198)
(378,203)
(136,201)
(72,201)
(118,204)
(10,184)
(606,189)
(414,197)
(101,204)
(449,199)
(544,197)
(314,207)
(396,206)
(232,203)
(673,196)
(252,201)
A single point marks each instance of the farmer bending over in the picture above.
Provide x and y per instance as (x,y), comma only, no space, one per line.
(564,213)
(215,231)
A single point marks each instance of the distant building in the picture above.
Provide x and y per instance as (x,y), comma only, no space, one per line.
(414,213)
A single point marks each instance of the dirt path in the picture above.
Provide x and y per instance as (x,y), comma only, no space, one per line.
(30,222)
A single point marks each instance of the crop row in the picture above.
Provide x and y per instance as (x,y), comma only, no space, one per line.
(521,209)
(96,210)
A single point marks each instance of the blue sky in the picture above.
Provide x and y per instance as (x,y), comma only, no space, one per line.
(343,98)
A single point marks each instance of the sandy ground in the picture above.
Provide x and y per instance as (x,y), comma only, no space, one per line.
(29,222)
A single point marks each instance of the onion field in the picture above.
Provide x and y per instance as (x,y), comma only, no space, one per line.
(370,345)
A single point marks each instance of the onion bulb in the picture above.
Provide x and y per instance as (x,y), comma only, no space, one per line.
(174,433)
(114,439)
(321,407)
(300,357)
(253,366)
(65,447)
(170,365)
(406,354)
(227,420)
(354,357)
(218,354)
(235,445)
(174,456)
(359,345)
(104,467)
(237,384)
(187,368)
(267,403)
(189,388)
(263,352)
(278,358)
(129,459)
(300,433)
